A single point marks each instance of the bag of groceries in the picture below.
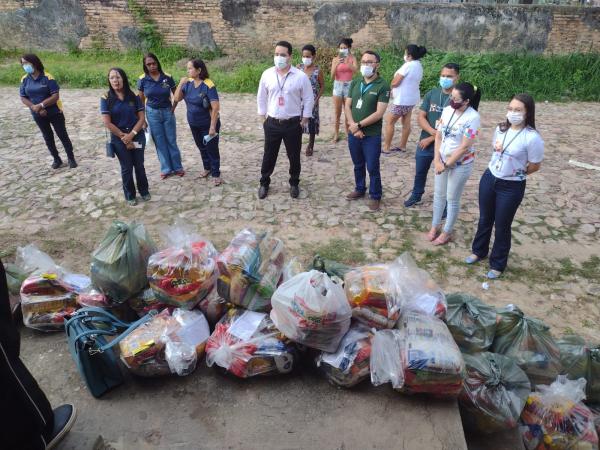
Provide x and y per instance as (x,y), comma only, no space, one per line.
(247,344)
(581,360)
(214,306)
(494,392)
(471,322)
(312,310)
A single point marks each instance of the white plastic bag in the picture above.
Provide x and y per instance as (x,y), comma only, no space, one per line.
(386,366)
(312,310)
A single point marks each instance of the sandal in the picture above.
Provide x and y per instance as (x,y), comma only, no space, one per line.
(217,181)
(433,234)
(443,239)
(309,151)
(493,274)
(205,174)
(397,150)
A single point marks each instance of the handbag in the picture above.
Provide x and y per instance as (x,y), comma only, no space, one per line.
(87,331)
(110,147)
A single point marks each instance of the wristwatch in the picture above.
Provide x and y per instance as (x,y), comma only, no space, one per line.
(359,125)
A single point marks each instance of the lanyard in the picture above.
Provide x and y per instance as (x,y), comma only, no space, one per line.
(364,88)
(450,124)
(281,86)
(509,142)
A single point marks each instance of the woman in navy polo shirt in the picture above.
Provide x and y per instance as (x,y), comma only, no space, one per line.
(155,88)
(39,92)
(123,115)
(202,100)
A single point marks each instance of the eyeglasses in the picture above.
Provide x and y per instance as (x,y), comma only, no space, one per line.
(368,63)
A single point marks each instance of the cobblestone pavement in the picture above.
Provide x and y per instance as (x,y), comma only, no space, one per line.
(553,270)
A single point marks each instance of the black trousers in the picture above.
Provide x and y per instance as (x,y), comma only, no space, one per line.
(26,416)
(132,161)
(58,122)
(290,132)
(211,160)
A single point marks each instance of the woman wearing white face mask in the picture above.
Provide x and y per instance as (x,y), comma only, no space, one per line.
(314,74)
(518,150)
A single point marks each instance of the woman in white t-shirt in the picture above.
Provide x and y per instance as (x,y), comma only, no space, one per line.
(518,151)
(454,156)
(405,95)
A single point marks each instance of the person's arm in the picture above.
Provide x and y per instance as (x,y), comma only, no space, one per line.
(437,158)
(178,95)
(424,124)
(215,106)
(262,97)
(111,127)
(532,167)
(142,97)
(321,81)
(353,64)
(457,154)
(371,119)
(334,63)
(535,154)
(397,80)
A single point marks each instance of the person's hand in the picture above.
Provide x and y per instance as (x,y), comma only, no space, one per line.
(43,113)
(439,167)
(183,80)
(130,146)
(127,138)
(359,134)
(145,127)
(212,131)
(426,142)
(353,127)
(173,107)
(304,122)
(36,108)
(336,60)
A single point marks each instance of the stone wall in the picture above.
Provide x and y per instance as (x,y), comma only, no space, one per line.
(235,24)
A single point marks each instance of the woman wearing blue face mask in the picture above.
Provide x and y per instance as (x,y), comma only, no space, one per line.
(518,151)
(40,93)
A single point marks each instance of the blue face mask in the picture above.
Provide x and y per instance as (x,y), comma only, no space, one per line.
(28,68)
(446,83)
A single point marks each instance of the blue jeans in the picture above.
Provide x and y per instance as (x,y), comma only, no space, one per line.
(163,129)
(132,160)
(448,188)
(365,153)
(423,160)
(211,160)
(498,203)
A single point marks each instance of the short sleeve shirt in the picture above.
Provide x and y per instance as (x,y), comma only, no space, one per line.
(407,93)
(512,150)
(433,104)
(454,128)
(39,89)
(157,93)
(123,113)
(197,115)
(367,96)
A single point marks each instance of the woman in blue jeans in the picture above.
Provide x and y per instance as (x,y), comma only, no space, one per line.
(518,151)
(454,156)
(202,101)
(155,89)
(123,115)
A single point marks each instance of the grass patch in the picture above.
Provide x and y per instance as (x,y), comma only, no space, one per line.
(499,75)
(341,250)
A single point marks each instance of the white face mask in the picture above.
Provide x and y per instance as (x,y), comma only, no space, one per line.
(405,58)
(280,62)
(515,118)
(307,61)
(367,71)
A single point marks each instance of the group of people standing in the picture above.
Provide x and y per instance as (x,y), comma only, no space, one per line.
(288,101)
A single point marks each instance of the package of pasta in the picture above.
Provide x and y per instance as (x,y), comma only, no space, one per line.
(494,392)
(555,418)
(471,322)
(185,272)
(367,290)
(247,344)
(214,306)
(250,269)
(415,289)
(581,360)
(312,310)
(529,342)
(349,364)
(169,343)
(119,263)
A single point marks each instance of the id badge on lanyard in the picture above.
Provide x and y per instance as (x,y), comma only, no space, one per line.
(359,103)
(281,101)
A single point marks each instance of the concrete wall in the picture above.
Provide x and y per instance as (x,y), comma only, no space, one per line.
(234,24)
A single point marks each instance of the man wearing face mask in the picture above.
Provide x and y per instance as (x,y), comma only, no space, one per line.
(365,107)
(429,114)
(285,99)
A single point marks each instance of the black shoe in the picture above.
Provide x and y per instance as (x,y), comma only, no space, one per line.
(262,192)
(72,163)
(294,191)
(57,164)
(412,201)
(64,418)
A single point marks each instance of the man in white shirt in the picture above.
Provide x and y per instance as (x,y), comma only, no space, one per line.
(285,99)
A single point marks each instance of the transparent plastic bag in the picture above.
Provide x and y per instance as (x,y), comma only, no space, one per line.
(494,392)
(555,418)
(119,263)
(183,273)
(581,360)
(431,360)
(247,344)
(31,259)
(312,310)
(471,322)
(186,342)
(415,288)
(386,363)
(349,364)
(146,301)
(529,342)
(214,306)
(291,269)
(93,297)
(368,292)
(250,269)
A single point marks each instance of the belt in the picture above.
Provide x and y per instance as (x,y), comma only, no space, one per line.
(284,121)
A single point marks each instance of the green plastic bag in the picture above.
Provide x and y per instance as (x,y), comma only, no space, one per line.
(529,342)
(471,322)
(15,276)
(330,267)
(119,263)
(494,392)
(580,360)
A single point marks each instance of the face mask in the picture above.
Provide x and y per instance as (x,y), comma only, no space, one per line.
(456,105)
(343,52)
(515,118)
(280,62)
(307,61)
(405,58)
(366,71)
(446,83)
(28,68)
